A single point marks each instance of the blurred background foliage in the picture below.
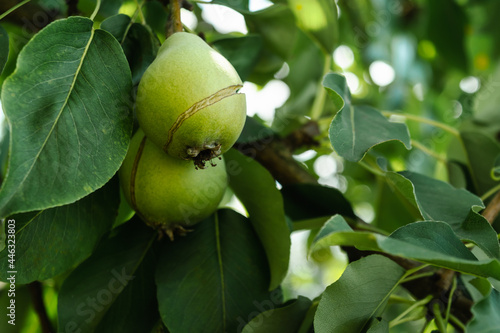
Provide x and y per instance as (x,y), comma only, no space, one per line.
(437,60)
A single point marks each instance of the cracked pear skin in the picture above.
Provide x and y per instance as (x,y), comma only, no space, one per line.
(188,102)
(167,192)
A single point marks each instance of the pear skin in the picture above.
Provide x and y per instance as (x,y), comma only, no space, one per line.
(167,192)
(188,102)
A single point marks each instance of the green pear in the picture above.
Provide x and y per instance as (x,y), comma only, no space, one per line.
(188,102)
(167,192)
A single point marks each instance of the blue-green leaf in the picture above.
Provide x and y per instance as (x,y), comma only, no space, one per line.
(359,296)
(356,129)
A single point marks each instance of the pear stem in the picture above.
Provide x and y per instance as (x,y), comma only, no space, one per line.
(175,18)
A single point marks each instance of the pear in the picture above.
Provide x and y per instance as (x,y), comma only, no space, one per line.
(188,102)
(167,192)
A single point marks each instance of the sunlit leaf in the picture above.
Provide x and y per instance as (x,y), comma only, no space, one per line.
(69,107)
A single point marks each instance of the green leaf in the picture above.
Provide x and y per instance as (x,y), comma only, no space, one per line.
(254,131)
(73,231)
(111,277)
(276,25)
(256,189)
(336,231)
(242,52)
(238,5)
(433,243)
(70,114)
(137,301)
(4,48)
(139,43)
(318,18)
(439,201)
(359,296)
(107,7)
(392,209)
(356,129)
(480,160)
(495,171)
(286,318)
(307,201)
(446,28)
(217,274)
(380,326)
(486,315)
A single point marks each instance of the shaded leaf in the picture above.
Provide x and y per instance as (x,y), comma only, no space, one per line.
(96,286)
(4,48)
(359,296)
(238,5)
(306,201)
(318,18)
(379,326)
(439,201)
(336,231)
(276,25)
(480,160)
(495,171)
(286,318)
(446,29)
(254,131)
(137,301)
(217,274)
(107,7)
(356,129)
(256,189)
(70,118)
(73,231)
(486,315)
(139,43)
(434,243)
(242,52)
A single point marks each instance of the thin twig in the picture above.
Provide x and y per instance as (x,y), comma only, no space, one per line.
(35,289)
(175,24)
